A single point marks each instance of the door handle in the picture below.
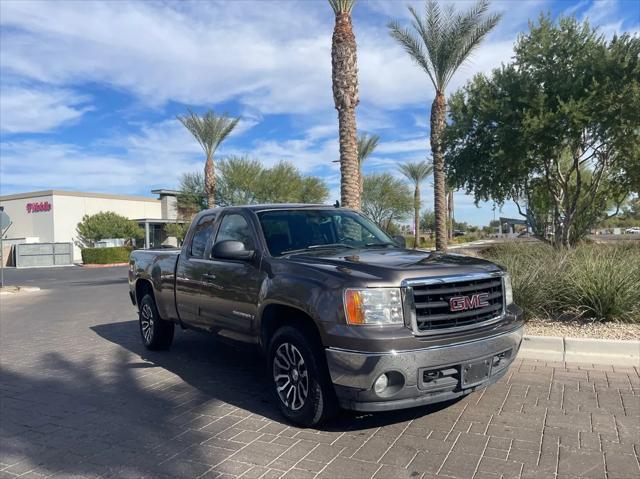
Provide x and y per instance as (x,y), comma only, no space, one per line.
(209,277)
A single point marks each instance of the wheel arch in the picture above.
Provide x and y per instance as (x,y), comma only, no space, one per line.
(276,315)
(143,287)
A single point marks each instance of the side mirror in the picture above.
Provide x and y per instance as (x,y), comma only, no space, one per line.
(400,241)
(230,249)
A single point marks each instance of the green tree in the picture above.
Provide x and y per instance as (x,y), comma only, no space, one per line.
(366,146)
(561,150)
(416,172)
(107,224)
(192,197)
(428,221)
(385,199)
(344,76)
(439,44)
(209,130)
(177,230)
(238,180)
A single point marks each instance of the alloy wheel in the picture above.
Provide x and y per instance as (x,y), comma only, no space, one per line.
(291,376)
(146,322)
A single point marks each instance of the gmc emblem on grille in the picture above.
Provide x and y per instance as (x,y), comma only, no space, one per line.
(462,303)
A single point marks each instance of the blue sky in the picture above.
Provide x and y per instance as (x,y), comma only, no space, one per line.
(90,91)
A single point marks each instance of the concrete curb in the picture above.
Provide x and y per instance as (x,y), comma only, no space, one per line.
(581,350)
(18,289)
(108,265)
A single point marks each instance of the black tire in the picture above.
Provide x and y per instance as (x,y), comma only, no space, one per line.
(287,347)
(156,333)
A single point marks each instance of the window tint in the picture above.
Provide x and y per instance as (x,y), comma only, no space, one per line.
(235,227)
(204,231)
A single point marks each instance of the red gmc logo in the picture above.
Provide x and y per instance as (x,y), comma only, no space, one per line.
(462,303)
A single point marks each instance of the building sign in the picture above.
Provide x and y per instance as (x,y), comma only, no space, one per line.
(38,207)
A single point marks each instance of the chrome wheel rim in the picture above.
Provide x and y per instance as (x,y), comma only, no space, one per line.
(290,376)
(146,323)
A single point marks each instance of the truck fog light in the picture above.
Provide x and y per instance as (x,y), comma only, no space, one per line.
(381,384)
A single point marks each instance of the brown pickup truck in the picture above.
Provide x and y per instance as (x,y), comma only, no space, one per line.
(346,315)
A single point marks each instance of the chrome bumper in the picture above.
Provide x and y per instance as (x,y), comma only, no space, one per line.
(353,373)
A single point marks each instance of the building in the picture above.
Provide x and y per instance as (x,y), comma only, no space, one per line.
(52,216)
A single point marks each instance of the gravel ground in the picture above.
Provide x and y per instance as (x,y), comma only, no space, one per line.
(582,329)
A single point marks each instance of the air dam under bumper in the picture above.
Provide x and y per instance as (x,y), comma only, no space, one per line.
(420,376)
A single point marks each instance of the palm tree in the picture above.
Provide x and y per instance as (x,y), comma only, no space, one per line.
(439,44)
(416,172)
(345,95)
(366,145)
(209,130)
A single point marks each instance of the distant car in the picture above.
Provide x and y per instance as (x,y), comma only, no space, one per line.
(634,230)
(457,233)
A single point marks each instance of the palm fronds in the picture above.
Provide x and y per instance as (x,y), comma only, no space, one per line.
(416,171)
(209,129)
(366,145)
(342,6)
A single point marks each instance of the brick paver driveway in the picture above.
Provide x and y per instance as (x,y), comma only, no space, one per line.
(81,397)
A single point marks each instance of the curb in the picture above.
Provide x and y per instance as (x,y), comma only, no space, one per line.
(108,265)
(581,350)
(7,290)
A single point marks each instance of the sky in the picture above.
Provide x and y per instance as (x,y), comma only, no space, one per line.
(89,92)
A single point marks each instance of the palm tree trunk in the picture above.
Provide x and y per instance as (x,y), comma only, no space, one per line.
(210,182)
(438,110)
(349,168)
(451,216)
(345,95)
(416,216)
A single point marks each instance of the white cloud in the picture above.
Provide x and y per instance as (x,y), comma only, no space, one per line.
(405,146)
(38,109)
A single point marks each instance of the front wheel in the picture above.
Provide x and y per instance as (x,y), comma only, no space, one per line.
(300,381)
(156,333)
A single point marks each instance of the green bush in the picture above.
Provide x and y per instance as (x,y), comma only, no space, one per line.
(117,254)
(597,282)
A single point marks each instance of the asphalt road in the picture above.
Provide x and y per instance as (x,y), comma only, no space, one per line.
(81,397)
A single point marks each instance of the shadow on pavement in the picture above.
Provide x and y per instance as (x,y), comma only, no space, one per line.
(236,375)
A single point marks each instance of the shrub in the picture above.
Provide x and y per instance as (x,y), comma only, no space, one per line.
(107,224)
(118,254)
(598,282)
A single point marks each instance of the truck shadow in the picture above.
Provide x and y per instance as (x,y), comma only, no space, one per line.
(235,374)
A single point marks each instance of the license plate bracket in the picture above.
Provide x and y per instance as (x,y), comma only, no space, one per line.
(475,372)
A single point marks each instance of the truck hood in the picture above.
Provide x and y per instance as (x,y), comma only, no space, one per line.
(391,264)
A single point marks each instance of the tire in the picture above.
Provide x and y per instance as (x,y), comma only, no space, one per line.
(156,333)
(300,379)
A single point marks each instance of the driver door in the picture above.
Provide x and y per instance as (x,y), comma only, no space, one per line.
(230,296)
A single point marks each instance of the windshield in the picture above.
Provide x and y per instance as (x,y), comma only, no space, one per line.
(292,230)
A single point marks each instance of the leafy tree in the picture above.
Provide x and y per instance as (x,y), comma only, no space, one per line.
(191,194)
(385,199)
(209,130)
(238,179)
(177,230)
(242,181)
(344,76)
(439,44)
(366,146)
(428,221)
(416,173)
(107,224)
(561,150)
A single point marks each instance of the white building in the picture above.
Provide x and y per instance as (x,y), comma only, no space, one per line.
(52,216)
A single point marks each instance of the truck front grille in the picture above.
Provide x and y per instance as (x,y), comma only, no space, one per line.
(475,301)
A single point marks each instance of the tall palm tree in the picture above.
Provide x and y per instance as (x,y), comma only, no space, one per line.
(439,43)
(416,172)
(344,76)
(209,130)
(366,146)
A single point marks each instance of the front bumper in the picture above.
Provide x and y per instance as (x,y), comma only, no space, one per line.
(420,376)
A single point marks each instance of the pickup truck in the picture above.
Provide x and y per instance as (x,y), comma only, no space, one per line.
(345,315)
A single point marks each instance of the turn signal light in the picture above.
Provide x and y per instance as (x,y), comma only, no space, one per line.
(353,307)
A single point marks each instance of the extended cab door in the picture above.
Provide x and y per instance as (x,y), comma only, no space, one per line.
(190,270)
(230,299)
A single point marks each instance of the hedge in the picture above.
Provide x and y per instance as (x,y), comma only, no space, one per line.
(117,254)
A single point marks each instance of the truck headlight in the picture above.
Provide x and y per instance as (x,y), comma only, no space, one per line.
(373,306)
(508,290)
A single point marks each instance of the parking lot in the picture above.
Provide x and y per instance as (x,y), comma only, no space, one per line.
(81,397)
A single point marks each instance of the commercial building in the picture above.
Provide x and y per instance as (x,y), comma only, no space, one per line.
(52,216)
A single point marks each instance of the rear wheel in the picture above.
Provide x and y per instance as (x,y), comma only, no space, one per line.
(300,380)
(156,333)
